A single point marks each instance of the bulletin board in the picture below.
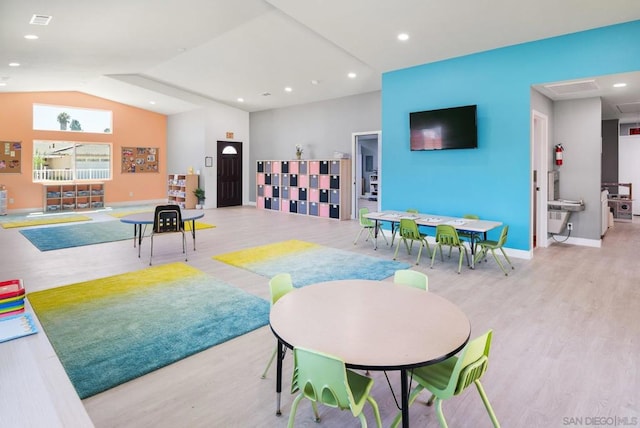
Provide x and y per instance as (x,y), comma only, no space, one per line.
(139,159)
(10,157)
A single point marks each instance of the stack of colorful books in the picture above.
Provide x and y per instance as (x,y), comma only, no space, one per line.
(11,297)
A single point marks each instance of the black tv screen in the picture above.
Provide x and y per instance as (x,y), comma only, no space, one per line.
(448,128)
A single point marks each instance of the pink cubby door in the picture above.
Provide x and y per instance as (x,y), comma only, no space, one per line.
(324,210)
(260,178)
(314,195)
(284,205)
(314,167)
(260,202)
(293,193)
(293,167)
(303,180)
(324,181)
(275,167)
(267,191)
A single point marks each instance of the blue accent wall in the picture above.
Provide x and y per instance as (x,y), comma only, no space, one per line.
(494,180)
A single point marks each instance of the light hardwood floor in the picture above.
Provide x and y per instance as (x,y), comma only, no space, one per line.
(565,346)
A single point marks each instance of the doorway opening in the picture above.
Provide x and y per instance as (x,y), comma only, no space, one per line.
(366,161)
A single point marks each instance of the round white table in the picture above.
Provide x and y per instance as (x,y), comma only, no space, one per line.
(143,219)
(371,325)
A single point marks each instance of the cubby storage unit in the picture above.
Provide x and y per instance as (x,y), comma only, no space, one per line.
(180,190)
(308,187)
(73,196)
(3,201)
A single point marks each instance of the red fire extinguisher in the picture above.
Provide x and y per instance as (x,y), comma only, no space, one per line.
(558,152)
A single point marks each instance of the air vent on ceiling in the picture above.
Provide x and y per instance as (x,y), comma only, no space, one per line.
(573,87)
(40,19)
(629,107)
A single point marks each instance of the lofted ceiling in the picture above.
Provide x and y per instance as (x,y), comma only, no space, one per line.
(185,54)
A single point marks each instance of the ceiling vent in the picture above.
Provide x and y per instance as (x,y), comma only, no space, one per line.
(573,87)
(40,19)
(629,107)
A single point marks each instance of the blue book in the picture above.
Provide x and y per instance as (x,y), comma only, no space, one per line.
(16,326)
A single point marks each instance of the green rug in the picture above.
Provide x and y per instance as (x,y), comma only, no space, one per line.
(77,235)
(309,263)
(111,330)
(38,221)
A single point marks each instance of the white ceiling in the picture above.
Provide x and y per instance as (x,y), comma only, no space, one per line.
(183,54)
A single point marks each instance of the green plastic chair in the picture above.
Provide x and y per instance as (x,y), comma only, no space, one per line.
(412,278)
(409,233)
(323,378)
(452,376)
(446,235)
(279,285)
(395,231)
(488,245)
(469,236)
(368,225)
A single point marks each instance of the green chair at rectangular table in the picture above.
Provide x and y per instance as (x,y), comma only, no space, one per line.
(370,226)
(468,235)
(409,234)
(490,245)
(446,235)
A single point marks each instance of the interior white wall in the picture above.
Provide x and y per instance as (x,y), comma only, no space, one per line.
(194,135)
(321,128)
(577,126)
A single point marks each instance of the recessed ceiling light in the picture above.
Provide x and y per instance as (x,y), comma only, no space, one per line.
(403,37)
(31,37)
(3,83)
(152,102)
(619,85)
(315,82)
(288,89)
(14,64)
(352,75)
(240,100)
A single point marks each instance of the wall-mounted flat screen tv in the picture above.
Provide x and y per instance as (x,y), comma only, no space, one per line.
(448,128)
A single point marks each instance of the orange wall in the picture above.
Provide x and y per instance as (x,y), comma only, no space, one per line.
(132,127)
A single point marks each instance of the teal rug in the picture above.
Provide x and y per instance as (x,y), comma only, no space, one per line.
(111,330)
(96,232)
(309,263)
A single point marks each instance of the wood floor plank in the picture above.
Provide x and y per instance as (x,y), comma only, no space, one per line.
(566,330)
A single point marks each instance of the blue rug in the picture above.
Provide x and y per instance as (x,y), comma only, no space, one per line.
(310,263)
(96,232)
(111,330)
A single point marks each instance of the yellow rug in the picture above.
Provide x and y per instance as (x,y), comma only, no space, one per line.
(199,225)
(125,213)
(41,221)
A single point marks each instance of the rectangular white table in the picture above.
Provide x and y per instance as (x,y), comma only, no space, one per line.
(476,227)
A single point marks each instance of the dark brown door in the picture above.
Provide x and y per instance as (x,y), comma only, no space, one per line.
(229,174)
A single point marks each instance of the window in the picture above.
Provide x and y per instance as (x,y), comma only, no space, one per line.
(71,119)
(229,150)
(68,161)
